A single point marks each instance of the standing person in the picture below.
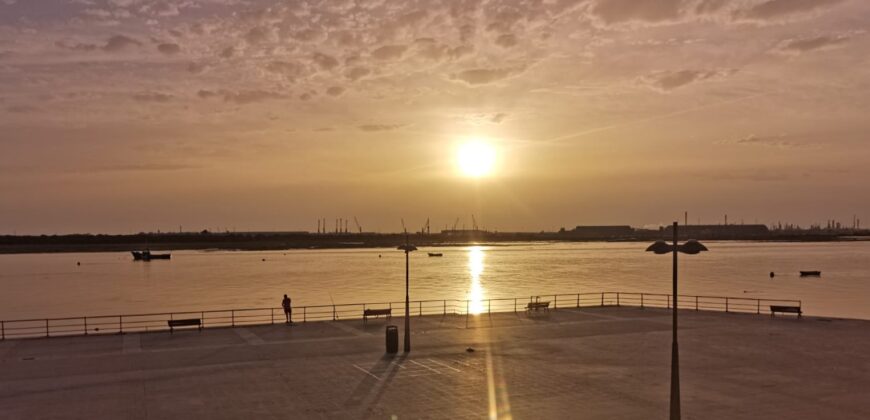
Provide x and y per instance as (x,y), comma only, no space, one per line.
(288,310)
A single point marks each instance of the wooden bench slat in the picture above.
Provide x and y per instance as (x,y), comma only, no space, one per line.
(785,309)
(376,312)
(192,322)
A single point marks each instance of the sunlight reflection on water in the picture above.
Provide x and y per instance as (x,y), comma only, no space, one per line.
(475,269)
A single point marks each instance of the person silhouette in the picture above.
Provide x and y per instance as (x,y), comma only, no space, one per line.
(288,310)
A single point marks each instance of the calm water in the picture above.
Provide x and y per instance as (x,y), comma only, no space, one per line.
(52,285)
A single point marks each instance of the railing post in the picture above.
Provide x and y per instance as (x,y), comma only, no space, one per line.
(758,306)
(555,301)
(121,324)
(333,312)
(272,310)
(489,306)
(641,301)
(421,308)
(445,307)
(515,305)
(602,298)
(202,318)
(669,301)
(2,330)
(726,304)
(578,300)
(233,317)
(617,299)
(696,304)
(304,313)
(46,328)
(86,325)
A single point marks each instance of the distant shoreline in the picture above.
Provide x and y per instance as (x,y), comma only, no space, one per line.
(303,240)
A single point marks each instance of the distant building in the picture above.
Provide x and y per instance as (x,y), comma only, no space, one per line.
(601,232)
(718,231)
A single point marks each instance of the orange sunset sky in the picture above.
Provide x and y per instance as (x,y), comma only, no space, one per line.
(137,115)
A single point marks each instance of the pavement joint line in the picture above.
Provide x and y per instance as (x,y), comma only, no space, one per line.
(249,336)
(366,371)
(442,364)
(427,367)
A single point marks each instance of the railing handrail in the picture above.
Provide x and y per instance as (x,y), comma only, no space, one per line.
(400,303)
(245,316)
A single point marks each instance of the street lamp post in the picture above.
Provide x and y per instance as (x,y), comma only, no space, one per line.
(689,247)
(408,248)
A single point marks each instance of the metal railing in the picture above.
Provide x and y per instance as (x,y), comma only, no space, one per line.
(119,324)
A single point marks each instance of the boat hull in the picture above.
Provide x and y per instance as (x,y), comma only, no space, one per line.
(148,256)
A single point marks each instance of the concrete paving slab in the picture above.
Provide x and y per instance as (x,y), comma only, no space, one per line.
(570,363)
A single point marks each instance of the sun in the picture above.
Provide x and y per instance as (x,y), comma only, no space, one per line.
(476,159)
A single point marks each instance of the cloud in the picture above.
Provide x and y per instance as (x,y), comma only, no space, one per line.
(138,167)
(227,52)
(667,81)
(21,109)
(250,96)
(498,117)
(152,97)
(389,52)
(618,11)
(119,43)
(257,35)
(169,48)
(326,62)
(506,40)
(484,76)
(710,6)
(357,73)
(75,46)
(290,70)
(197,68)
(798,46)
(774,9)
(335,91)
(780,141)
(379,127)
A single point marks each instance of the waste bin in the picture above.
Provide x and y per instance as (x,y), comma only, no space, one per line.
(392,339)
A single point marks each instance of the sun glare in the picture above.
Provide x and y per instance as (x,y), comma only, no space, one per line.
(476,159)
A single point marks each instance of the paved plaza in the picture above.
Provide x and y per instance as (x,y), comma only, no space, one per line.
(590,363)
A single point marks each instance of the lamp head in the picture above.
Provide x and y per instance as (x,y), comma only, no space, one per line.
(661,247)
(692,247)
(407,248)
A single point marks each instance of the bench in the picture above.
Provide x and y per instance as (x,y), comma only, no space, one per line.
(534,306)
(193,322)
(376,312)
(785,309)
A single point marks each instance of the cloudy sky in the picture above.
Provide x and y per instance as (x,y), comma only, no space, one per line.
(130,115)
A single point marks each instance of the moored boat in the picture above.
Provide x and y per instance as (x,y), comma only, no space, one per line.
(436,254)
(811,273)
(148,256)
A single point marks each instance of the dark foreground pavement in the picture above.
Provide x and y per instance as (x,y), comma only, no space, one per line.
(587,363)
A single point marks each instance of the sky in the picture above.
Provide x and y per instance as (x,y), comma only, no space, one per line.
(122,116)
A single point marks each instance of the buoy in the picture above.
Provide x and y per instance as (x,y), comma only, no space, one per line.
(470,350)
(771,274)
(78,263)
(264,259)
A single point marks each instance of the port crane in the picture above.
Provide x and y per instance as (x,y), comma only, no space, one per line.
(356,222)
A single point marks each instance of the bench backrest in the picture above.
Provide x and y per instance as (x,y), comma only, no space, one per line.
(183,322)
(777,308)
(377,311)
